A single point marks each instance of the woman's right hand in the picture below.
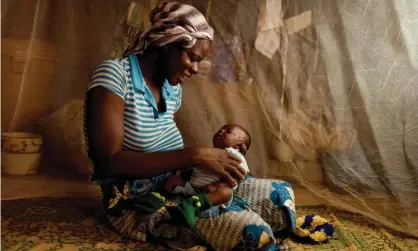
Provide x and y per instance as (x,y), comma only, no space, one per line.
(220,163)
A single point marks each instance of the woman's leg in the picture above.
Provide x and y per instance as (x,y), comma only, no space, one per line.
(144,217)
(157,228)
(273,199)
(235,228)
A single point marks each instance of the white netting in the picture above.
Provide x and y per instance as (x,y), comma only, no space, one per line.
(326,88)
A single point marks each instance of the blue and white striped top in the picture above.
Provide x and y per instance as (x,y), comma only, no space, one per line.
(146,129)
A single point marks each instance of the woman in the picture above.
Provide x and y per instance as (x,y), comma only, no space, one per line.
(134,142)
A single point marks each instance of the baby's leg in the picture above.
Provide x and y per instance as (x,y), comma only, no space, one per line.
(220,196)
(172,182)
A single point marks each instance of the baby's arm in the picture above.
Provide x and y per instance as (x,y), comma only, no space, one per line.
(214,186)
(223,184)
(209,188)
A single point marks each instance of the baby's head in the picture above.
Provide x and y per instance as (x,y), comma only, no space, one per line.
(234,136)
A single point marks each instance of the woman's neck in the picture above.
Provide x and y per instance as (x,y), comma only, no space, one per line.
(150,69)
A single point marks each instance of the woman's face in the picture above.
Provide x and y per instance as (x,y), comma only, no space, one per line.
(184,62)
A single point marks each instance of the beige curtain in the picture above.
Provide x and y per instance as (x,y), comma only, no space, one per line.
(326,88)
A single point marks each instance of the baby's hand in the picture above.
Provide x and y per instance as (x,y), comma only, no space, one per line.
(223,184)
(213,187)
(209,188)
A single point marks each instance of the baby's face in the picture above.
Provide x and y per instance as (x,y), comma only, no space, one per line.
(228,136)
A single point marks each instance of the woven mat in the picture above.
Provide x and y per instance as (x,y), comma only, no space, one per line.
(354,232)
(80,224)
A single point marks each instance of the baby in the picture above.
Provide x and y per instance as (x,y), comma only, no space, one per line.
(204,187)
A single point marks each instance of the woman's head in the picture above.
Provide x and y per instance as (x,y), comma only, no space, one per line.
(178,63)
(181,34)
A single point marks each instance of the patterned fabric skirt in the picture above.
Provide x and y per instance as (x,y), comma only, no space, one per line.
(261,213)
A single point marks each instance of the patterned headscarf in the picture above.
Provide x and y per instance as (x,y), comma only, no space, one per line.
(172,22)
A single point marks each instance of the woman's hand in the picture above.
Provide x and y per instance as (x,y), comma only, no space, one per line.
(220,163)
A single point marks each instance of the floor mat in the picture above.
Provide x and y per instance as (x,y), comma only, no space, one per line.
(353,232)
(60,224)
(80,224)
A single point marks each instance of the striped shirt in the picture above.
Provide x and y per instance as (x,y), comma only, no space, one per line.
(146,129)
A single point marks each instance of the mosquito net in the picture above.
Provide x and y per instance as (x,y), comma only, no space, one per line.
(326,88)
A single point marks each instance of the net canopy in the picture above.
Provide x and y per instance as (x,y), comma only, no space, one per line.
(327,89)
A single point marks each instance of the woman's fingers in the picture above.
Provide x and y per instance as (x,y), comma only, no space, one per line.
(228,178)
(226,167)
(234,157)
(233,170)
(238,167)
(236,161)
